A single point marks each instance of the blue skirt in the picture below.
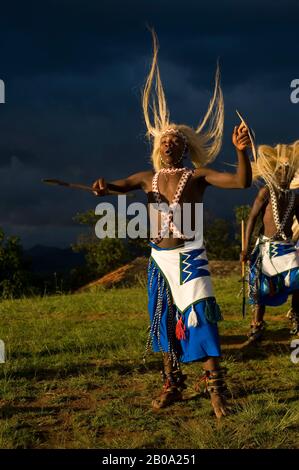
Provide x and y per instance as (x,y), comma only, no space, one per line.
(272,290)
(200,342)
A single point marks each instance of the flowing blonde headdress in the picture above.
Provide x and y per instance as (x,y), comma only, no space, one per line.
(204,142)
(265,168)
(269,159)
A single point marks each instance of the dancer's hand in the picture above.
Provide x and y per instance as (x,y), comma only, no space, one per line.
(100,187)
(240,137)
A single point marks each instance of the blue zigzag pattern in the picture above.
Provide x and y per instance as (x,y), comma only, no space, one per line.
(280,250)
(190,267)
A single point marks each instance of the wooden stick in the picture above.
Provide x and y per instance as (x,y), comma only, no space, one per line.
(112,187)
(243,245)
(243,268)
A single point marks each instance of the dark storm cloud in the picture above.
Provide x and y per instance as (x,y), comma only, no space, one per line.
(64,36)
(73,71)
(24,155)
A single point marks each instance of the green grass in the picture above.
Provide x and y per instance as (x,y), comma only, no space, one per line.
(74,378)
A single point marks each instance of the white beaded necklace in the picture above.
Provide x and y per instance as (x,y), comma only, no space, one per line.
(173,170)
(167,223)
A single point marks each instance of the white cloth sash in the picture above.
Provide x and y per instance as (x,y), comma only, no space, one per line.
(277,256)
(187,272)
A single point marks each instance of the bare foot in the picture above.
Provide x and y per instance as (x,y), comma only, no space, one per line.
(167,397)
(219,405)
(256,332)
(294,319)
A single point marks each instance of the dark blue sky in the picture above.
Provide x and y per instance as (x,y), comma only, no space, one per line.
(74,70)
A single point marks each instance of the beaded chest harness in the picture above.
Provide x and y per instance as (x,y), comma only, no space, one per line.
(280,224)
(167,224)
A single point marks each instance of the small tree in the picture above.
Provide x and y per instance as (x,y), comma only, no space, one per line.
(14,276)
(101,255)
(219,241)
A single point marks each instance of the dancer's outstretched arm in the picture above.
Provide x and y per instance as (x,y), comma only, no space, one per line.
(260,201)
(133,182)
(243,176)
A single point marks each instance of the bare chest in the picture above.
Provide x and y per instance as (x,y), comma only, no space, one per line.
(168,185)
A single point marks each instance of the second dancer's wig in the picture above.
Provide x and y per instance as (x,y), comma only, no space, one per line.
(270,158)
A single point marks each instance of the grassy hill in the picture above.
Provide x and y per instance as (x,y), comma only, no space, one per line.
(74,378)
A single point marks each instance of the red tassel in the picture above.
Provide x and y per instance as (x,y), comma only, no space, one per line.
(180,329)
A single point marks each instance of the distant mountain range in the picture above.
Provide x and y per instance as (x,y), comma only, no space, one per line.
(49,259)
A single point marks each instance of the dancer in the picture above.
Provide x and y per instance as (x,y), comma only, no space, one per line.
(274,262)
(182,306)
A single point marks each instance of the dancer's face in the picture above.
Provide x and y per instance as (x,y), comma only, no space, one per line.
(284,176)
(171,148)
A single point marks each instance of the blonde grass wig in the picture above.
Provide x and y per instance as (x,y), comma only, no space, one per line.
(204,142)
(269,159)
